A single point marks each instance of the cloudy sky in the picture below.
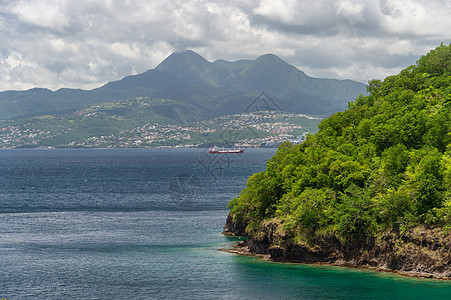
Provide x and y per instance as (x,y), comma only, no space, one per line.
(85,43)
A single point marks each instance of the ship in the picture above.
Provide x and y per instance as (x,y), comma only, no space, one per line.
(216,150)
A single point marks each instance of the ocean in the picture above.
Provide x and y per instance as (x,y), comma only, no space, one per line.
(146,224)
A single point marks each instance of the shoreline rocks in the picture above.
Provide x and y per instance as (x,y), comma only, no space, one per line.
(416,252)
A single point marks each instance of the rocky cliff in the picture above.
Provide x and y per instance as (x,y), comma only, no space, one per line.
(419,251)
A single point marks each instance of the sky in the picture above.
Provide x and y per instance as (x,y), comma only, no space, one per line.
(86,43)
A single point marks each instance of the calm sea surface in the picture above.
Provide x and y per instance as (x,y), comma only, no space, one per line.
(146,223)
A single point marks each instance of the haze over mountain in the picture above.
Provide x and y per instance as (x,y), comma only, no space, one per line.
(212,88)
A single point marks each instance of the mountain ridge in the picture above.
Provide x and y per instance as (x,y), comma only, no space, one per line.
(189,77)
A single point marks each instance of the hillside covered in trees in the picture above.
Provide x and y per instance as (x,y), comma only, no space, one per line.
(372,187)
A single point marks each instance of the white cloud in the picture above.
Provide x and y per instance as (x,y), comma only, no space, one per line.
(353,10)
(419,18)
(284,11)
(46,14)
(85,43)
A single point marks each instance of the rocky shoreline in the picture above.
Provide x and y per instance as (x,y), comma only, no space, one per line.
(417,252)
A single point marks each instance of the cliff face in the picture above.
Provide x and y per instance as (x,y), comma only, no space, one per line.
(234,229)
(415,252)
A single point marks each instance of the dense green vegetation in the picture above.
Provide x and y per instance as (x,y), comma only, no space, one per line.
(383,164)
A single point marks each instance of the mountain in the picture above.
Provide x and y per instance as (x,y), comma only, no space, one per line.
(191,67)
(288,86)
(215,88)
(371,188)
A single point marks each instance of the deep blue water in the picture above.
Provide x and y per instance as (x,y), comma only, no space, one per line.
(146,223)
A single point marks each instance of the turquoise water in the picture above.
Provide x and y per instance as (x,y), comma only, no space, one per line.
(145,224)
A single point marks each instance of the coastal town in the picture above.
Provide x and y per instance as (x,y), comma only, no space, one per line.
(259,129)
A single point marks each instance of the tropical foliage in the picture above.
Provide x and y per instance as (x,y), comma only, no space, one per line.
(383,164)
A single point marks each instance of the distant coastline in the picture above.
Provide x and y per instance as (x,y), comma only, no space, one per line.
(247,130)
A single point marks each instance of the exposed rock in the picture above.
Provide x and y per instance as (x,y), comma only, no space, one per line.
(234,229)
(419,251)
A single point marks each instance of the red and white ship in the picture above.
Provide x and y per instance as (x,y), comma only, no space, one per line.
(216,150)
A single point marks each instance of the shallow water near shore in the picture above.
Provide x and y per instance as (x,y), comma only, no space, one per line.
(146,224)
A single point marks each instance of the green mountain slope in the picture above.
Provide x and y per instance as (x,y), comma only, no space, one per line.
(190,67)
(289,87)
(35,102)
(217,88)
(372,187)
